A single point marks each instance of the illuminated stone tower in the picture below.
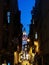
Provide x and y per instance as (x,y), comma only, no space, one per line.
(24,39)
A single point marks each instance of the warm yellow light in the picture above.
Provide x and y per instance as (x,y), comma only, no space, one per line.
(20,56)
(16,57)
(37,46)
(31,55)
(4,64)
(36,43)
(30,51)
(25,62)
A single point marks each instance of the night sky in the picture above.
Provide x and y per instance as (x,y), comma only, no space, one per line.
(25,6)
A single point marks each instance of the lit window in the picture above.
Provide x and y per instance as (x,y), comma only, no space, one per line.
(8,17)
(36,35)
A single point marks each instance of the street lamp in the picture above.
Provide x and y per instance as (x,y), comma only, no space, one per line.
(28,40)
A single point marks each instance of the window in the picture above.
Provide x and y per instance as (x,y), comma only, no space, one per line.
(8,16)
(36,35)
(33,22)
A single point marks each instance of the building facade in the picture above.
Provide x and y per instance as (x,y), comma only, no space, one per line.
(40,15)
(10,28)
(1,23)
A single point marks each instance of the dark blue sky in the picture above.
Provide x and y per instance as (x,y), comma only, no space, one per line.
(25,6)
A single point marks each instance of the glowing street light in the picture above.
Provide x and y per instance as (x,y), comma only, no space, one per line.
(28,40)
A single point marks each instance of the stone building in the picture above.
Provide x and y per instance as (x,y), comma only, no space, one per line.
(41,19)
(10,28)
